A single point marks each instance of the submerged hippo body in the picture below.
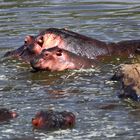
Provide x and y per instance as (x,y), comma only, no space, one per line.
(57,59)
(73,42)
(85,46)
(50,120)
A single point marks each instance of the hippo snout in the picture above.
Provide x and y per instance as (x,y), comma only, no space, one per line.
(33,63)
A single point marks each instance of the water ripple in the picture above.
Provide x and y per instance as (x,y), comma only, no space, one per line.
(83,92)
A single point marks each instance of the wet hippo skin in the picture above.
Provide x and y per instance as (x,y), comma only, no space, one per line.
(73,42)
(51,120)
(57,59)
(23,52)
(6,115)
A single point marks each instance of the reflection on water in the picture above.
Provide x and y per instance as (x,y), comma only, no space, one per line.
(88,93)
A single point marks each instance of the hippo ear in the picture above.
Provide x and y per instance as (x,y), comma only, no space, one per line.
(28,39)
(59,52)
(40,40)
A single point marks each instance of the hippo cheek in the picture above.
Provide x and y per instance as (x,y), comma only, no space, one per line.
(35,48)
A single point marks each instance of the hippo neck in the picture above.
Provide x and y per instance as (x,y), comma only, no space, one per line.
(85,46)
(78,62)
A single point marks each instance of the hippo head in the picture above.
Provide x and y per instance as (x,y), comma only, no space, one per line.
(36,46)
(53,120)
(33,45)
(45,41)
(53,59)
(6,115)
(39,120)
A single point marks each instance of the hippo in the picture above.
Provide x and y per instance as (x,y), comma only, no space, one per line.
(75,43)
(6,115)
(53,120)
(57,59)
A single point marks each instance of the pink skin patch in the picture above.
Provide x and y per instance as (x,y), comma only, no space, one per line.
(52,40)
(14,114)
(70,120)
(56,61)
(37,122)
(49,40)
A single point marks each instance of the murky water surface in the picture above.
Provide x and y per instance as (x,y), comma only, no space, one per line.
(82,92)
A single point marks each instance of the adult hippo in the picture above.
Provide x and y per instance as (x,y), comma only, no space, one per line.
(57,59)
(73,42)
(50,120)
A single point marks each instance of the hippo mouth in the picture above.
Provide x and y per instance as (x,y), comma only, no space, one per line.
(17,52)
(34,69)
(36,64)
(22,52)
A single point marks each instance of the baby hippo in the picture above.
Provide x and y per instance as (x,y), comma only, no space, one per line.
(6,115)
(51,120)
(57,59)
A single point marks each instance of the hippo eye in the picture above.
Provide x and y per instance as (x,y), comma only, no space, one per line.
(46,54)
(25,41)
(59,52)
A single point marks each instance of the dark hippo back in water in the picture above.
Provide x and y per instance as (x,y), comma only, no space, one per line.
(75,43)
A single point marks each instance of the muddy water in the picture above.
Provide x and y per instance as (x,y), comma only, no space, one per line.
(82,92)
